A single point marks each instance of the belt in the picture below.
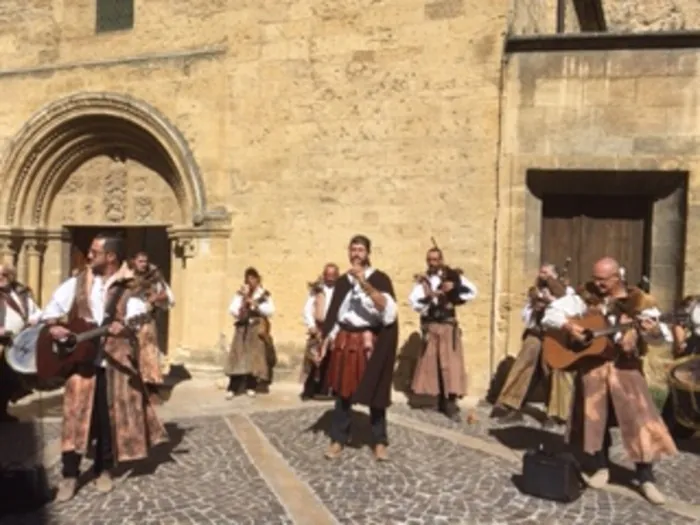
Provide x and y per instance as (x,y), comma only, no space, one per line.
(356,329)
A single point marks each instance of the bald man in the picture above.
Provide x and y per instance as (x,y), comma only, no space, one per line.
(609,392)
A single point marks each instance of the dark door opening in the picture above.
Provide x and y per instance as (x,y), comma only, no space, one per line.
(588,227)
(152,239)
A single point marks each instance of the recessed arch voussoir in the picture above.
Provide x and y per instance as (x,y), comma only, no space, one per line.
(71,130)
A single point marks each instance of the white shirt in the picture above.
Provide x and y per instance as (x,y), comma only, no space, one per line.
(358,308)
(266,308)
(162,285)
(527,313)
(13,320)
(418,293)
(62,301)
(309,310)
(556,314)
(695,319)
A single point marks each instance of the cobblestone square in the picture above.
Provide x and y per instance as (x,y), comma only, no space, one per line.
(251,461)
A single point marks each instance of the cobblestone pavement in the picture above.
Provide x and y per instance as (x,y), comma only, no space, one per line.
(429,481)
(675,476)
(206,475)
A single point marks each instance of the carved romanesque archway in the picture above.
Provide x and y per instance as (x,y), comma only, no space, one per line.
(67,133)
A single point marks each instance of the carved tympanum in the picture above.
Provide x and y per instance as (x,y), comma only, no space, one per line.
(115,190)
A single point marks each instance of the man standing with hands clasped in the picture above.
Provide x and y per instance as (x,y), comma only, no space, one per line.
(360,330)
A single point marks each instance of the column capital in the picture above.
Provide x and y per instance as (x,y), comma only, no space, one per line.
(185,247)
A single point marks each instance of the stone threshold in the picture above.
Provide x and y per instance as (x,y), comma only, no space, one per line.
(301,503)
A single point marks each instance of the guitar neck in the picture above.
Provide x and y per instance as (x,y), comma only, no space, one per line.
(613,329)
(91,334)
(103,330)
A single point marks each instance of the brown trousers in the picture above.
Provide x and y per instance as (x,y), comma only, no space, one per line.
(524,371)
(442,360)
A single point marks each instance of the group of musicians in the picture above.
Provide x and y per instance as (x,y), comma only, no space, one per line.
(350,355)
(107,401)
(591,397)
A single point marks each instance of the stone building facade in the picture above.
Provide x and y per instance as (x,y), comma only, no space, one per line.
(220,135)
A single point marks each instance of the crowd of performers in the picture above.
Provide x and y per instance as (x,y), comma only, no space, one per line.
(350,355)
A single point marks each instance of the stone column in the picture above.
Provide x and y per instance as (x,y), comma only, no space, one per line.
(667,241)
(7,249)
(34,253)
(183,249)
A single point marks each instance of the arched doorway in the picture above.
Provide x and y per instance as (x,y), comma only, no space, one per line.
(94,161)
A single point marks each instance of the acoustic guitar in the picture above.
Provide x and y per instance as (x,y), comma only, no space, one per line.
(57,358)
(561,352)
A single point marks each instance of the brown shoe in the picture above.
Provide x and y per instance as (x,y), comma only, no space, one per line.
(334,451)
(66,489)
(380,453)
(104,483)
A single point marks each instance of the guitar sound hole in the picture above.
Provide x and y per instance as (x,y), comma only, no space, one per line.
(580,346)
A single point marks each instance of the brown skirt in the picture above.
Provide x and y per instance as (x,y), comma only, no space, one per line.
(348,362)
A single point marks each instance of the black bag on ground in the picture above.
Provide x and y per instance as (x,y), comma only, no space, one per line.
(551,476)
(23,488)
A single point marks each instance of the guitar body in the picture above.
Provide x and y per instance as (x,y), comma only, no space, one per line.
(561,353)
(58,359)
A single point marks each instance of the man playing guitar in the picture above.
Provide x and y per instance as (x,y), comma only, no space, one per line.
(608,390)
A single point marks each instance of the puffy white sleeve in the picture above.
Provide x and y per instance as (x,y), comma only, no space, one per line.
(666,334)
(416,299)
(235,307)
(557,312)
(469,295)
(267,307)
(62,300)
(308,314)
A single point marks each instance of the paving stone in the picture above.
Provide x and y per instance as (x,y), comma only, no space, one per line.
(675,476)
(429,480)
(207,478)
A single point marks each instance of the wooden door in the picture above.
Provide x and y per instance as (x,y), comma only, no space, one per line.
(588,227)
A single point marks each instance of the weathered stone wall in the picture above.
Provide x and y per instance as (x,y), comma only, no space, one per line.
(651,15)
(615,110)
(310,120)
(533,17)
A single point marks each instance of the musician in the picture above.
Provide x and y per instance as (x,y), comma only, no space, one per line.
(363,309)
(154,290)
(607,389)
(248,362)
(104,400)
(529,365)
(440,369)
(17,310)
(686,337)
(315,309)
(686,342)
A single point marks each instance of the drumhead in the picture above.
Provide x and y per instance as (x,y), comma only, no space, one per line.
(687,373)
(21,356)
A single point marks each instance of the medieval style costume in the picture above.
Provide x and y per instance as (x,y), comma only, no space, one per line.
(17,310)
(250,357)
(152,289)
(440,370)
(315,309)
(106,400)
(615,391)
(529,365)
(356,373)
(686,344)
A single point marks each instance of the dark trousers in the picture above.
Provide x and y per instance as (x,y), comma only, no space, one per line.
(599,460)
(314,388)
(242,382)
(9,385)
(340,424)
(100,432)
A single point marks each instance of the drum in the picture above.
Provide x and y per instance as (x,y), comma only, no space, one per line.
(684,397)
(21,356)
